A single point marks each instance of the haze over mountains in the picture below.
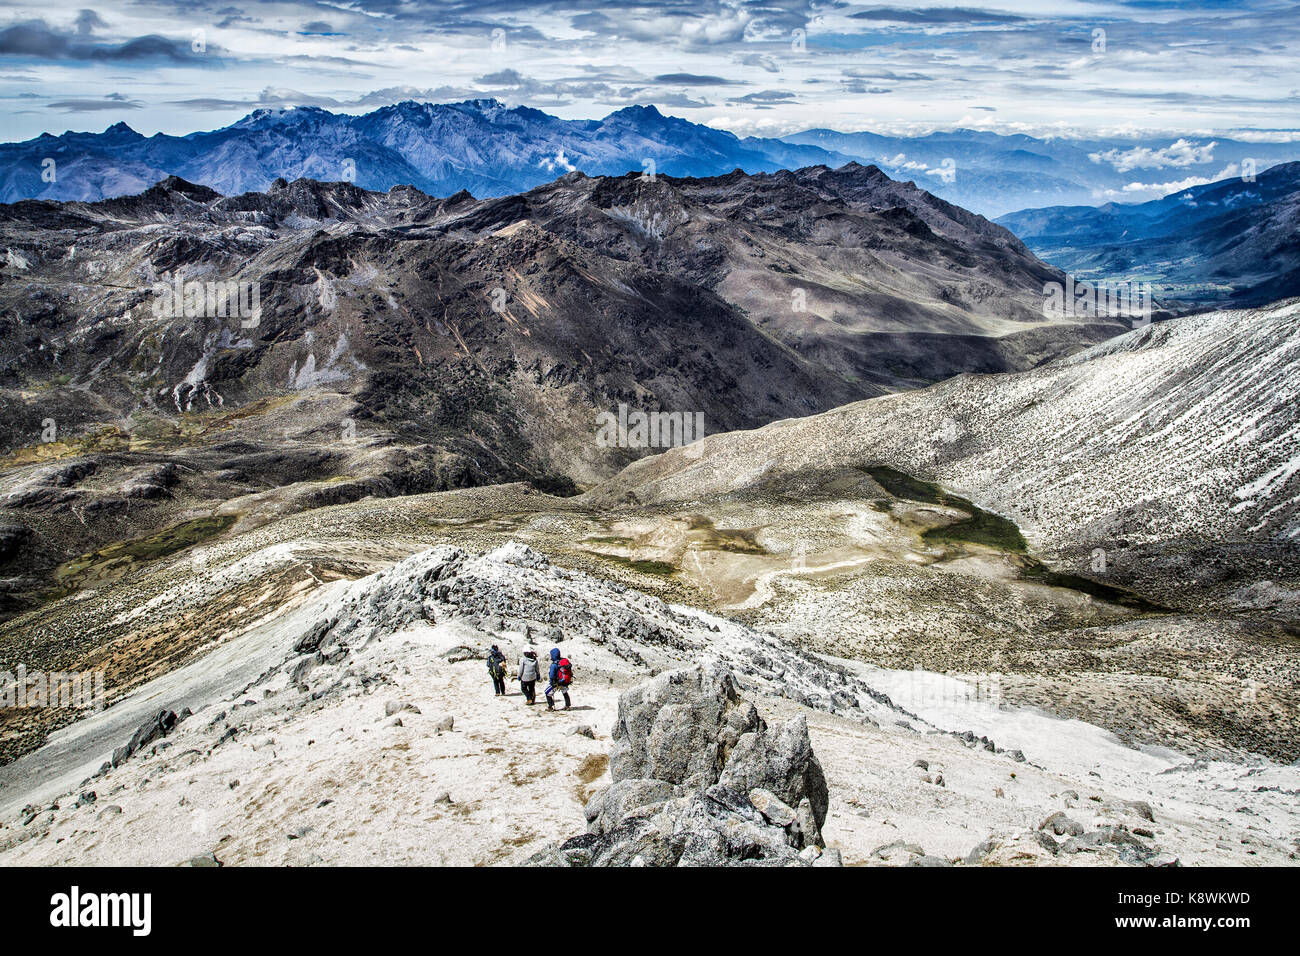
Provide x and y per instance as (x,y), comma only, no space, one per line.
(491,150)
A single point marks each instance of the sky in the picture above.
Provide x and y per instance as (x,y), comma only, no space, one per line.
(769,67)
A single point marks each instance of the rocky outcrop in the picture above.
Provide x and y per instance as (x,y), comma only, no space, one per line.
(699,779)
(160,725)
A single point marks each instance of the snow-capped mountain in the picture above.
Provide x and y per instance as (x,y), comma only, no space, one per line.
(490,149)
(477,145)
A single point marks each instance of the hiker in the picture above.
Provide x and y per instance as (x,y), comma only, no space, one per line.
(561,677)
(529,672)
(496,662)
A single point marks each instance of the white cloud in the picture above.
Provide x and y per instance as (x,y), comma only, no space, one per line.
(1179,153)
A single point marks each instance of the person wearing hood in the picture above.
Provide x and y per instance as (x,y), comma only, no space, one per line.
(496,664)
(561,677)
(529,672)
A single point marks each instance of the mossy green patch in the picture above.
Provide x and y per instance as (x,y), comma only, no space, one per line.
(981,527)
(115,559)
(1042,574)
(660,568)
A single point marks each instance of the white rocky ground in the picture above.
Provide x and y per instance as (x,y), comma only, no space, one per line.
(304,763)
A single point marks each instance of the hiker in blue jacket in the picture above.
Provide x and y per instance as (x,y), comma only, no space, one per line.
(561,677)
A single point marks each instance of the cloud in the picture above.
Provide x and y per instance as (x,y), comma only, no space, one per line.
(682,29)
(1177,154)
(510,77)
(764,62)
(764,98)
(935,15)
(318,28)
(113,101)
(556,163)
(691,79)
(1140,192)
(35,40)
(87,21)
(857,86)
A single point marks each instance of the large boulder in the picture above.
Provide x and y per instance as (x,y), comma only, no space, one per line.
(672,728)
(698,779)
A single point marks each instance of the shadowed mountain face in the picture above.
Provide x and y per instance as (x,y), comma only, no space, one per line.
(1230,243)
(177,361)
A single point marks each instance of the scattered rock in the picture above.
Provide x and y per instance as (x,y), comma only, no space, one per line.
(1138,808)
(1062,825)
(898,853)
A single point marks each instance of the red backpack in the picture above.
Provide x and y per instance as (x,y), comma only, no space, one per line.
(563,672)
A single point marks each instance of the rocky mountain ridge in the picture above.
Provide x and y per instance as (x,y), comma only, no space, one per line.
(379,689)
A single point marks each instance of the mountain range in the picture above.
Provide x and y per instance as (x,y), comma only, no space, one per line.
(491,150)
(1234,242)
(405,343)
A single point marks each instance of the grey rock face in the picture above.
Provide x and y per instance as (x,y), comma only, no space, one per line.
(669,729)
(780,760)
(147,733)
(700,780)
(609,807)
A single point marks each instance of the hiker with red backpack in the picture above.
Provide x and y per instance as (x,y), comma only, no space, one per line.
(561,677)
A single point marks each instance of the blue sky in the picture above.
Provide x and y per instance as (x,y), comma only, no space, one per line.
(1065,67)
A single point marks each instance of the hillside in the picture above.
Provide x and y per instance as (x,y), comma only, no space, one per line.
(1184,428)
(403,343)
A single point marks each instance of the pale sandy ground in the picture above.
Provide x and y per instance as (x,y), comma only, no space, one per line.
(517,777)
